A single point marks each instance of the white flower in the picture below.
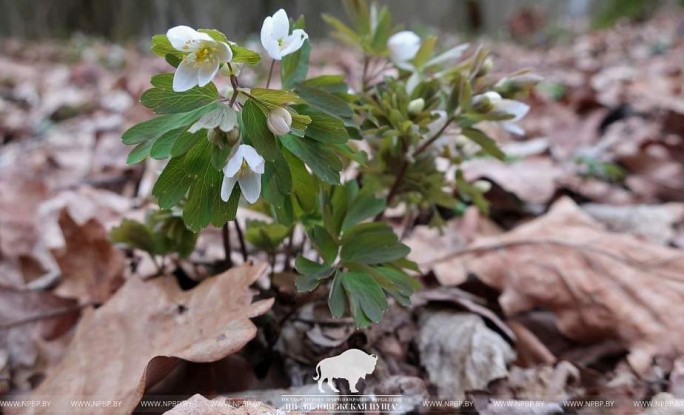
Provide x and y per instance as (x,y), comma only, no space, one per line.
(279,121)
(403,47)
(244,166)
(508,106)
(275,36)
(203,59)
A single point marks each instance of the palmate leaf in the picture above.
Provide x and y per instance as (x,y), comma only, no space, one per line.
(146,133)
(194,175)
(163,100)
(320,158)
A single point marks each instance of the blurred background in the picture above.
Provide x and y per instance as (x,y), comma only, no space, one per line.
(127,19)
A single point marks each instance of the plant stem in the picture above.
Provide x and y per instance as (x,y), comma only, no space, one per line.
(225,233)
(234,83)
(404,165)
(288,252)
(241,238)
(270,73)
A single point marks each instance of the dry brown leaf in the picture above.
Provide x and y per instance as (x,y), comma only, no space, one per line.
(461,354)
(133,340)
(600,285)
(654,223)
(533,180)
(27,319)
(92,268)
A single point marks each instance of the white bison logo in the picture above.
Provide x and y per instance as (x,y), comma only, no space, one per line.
(352,365)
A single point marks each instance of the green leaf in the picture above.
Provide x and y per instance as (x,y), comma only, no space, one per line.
(366,299)
(276,97)
(305,186)
(256,132)
(324,243)
(311,273)
(325,101)
(186,141)
(134,235)
(140,152)
(161,148)
(372,243)
(336,301)
(425,51)
(172,184)
(163,100)
(215,34)
(194,174)
(325,128)
(266,236)
(365,206)
(162,47)
(323,162)
(294,67)
(484,141)
(154,128)
(244,55)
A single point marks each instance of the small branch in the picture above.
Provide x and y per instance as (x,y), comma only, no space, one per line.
(404,165)
(434,138)
(49,314)
(234,83)
(364,80)
(241,238)
(270,73)
(225,234)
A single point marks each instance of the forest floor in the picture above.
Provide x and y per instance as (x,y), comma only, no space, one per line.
(567,297)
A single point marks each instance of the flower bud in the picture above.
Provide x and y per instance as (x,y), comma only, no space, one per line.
(223,139)
(486,102)
(403,46)
(231,69)
(486,67)
(279,121)
(482,185)
(416,106)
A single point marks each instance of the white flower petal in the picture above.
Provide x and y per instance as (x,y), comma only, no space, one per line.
(253,159)
(281,25)
(451,54)
(223,52)
(250,184)
(186,39)
(517,108)
(234,163)
(183,38)
(512,127)
(207,71)
(185,77)
(228,119)
(227,187)
(293,42)
(403,46)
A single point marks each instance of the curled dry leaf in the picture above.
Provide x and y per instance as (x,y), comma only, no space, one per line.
(461,354)
(134,339)
(600,285)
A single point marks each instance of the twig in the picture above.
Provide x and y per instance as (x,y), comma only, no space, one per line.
(49,314)
(366,61)
(241,238)
(225,233)
(404,165)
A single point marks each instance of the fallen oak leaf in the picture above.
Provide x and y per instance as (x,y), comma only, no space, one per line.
(599,284)
(92,268)
(136,337)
